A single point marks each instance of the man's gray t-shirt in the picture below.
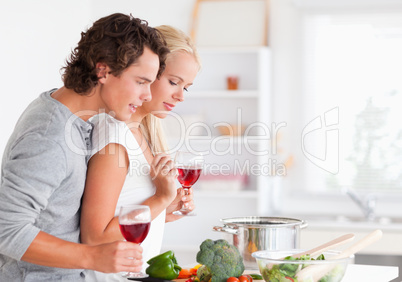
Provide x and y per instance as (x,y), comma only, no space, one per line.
(42,181)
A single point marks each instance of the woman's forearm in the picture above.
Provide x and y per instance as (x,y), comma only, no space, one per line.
(157,204)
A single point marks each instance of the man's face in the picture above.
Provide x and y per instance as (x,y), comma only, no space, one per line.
(121,95)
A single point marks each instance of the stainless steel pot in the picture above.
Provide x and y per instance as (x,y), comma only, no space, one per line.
(253,233)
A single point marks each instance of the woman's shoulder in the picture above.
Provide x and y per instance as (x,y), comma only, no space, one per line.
(106,130)
(108,126)
(105,120)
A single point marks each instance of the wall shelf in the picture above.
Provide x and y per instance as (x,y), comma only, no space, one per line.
(210,103)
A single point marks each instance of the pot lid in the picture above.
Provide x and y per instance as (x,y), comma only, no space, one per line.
(258,221)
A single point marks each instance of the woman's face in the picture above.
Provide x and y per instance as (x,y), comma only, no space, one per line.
(180,72)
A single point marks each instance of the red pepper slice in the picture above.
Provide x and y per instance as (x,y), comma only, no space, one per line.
(191,279)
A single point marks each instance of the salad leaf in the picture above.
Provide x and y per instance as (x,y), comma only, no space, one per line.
(275,274)
(289,269)
(286,272)
(320,257)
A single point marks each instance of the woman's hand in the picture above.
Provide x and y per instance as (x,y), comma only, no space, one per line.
(164,174)
(181,199)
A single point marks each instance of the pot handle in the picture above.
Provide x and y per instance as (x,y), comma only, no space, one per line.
(304,224)
(226,229)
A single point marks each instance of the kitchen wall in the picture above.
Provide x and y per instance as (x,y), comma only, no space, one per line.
(37,36)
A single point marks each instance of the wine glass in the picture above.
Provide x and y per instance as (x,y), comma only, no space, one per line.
(135,221)
(189,165)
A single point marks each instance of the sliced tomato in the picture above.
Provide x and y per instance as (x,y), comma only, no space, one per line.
(245,278)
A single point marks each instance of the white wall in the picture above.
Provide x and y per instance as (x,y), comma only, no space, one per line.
(177,13)
(37,36)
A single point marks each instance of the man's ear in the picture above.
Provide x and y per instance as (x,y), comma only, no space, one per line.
(102,71)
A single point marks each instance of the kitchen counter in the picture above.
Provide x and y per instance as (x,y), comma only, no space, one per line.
(370,273)
(323,228)
(354,272)
(366,273)
(357,273)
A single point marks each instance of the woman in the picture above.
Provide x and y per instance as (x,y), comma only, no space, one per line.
(126,168)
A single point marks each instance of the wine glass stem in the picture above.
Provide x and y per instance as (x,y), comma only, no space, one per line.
(186,192)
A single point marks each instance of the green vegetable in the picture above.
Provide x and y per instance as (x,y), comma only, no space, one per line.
(203,274)
(168,254)
(335,274)
(221,259)
(256,276)
(286,272)
(275,274)
(320,257)
(163,266)
(289,269)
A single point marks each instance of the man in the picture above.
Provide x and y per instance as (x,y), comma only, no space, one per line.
(44,164)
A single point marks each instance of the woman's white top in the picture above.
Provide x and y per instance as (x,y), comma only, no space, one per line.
(137,187)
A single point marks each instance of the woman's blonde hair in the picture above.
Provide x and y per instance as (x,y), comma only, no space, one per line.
(177,41)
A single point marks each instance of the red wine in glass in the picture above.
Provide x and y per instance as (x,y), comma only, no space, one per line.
(188,176)
(189,166)
(135,222)
(135,233)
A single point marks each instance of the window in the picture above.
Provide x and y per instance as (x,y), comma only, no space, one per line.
(351,105)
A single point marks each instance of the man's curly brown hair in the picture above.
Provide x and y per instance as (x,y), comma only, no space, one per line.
(116,40)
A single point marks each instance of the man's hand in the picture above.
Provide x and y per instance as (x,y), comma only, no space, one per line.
(119,256)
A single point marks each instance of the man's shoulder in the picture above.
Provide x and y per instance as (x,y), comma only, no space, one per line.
(45,120)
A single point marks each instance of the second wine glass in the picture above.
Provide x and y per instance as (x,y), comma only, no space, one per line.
(135,221)
(189,164)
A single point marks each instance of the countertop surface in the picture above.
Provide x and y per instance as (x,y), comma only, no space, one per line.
(366,273)
(370,273)
(359,273)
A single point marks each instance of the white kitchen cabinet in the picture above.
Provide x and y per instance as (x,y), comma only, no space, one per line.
(238,165)
(235,181)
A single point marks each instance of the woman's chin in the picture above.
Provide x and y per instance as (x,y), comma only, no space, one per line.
(161,116)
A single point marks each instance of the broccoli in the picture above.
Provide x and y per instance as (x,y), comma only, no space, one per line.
(222,259)
(203,274)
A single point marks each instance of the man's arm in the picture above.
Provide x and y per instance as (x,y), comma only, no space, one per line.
(51,251)
(33,169)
